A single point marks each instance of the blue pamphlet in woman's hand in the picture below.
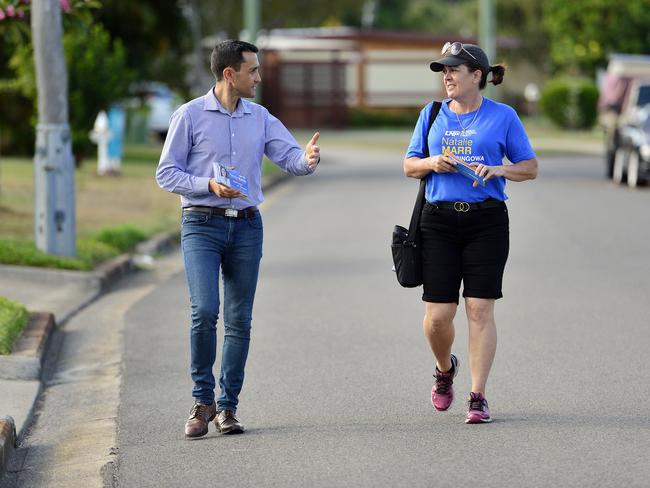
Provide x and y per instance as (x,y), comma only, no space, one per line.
(229,177)
(465,169)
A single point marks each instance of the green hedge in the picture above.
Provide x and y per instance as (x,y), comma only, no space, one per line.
(570,103)
(13,318)
(97,76)
(91,251)
(121,238)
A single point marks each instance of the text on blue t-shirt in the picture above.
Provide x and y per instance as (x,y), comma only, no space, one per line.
(489,135)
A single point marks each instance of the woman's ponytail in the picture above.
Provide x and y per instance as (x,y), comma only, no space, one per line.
(498,70)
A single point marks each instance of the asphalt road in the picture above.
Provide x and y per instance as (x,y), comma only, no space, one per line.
(339,375)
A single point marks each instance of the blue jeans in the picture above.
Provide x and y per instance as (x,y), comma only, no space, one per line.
(210,243)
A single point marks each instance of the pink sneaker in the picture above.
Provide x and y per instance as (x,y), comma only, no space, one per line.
(442,393)
(478,411)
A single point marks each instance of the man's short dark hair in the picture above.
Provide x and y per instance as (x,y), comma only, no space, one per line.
(229,54)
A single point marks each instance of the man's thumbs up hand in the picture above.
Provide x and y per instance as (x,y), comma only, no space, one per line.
(312,151)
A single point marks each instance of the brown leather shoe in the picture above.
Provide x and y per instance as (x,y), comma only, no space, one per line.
(200,417)
(227,423)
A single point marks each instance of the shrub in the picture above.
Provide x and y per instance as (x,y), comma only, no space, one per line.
(97,76)
(25,253)
(121,238)
(91,251)
(16,129)
(13,318)
(570,103)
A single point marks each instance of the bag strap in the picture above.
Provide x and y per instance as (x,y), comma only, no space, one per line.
(419,202)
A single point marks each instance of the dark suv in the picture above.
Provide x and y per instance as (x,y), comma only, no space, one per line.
(622,93)
(632,160)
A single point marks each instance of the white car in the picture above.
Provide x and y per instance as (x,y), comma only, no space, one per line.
(161,103)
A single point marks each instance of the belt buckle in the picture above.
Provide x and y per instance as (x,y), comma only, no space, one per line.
(231,212)
(461,206)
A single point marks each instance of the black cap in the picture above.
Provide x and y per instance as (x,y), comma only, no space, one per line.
(463,57)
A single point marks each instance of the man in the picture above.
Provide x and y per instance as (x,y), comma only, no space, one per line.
(221,227)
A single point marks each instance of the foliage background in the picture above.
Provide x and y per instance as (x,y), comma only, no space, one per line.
(112,42)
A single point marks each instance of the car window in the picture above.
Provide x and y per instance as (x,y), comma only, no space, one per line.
(644,95)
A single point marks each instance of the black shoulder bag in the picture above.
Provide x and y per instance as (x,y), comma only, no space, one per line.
(407,252)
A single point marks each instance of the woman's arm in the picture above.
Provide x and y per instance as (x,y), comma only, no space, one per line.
(418,168)
(521,171)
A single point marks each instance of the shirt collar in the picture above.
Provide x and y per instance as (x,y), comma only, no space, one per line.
(211,102)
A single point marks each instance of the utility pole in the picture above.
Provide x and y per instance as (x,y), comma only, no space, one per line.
(197,72)
(487,39)
(252,16)
(54,191)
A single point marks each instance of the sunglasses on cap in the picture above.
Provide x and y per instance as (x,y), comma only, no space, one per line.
(454,48)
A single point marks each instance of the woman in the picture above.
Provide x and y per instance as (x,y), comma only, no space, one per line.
(464,225)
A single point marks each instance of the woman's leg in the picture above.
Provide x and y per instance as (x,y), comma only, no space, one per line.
(438,325)
(482,340)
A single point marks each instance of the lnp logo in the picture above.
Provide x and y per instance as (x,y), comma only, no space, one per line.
(456,133)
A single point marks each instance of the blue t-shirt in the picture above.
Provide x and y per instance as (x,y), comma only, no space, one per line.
(496,132)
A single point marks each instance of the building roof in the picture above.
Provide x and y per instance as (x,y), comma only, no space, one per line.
(352,37)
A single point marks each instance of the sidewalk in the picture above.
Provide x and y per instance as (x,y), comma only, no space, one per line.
(62,293)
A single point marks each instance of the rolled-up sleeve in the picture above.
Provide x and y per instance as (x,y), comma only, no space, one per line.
(281,148)
(172,174)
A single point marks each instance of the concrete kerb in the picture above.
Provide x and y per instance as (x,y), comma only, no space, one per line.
(24,364)
(7,440)
(31,346)
(25,360)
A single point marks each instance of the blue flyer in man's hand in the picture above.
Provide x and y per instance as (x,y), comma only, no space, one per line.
(465,169)
(232,179)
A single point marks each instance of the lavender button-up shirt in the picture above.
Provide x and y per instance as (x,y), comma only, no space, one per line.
(202,132)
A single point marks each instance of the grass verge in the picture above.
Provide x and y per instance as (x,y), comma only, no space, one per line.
(102,246)
(113,213)
(13,318)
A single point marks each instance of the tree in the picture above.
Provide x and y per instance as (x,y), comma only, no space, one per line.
(155,34)
(226,16)
(583,32)
(97,75)
(96,70)
(521,19)
(16,131)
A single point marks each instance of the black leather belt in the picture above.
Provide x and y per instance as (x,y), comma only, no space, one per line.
(245,213)
(465,206)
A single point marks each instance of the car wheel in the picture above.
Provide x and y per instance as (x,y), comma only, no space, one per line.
(609,164)
(634,175)
(633,170)
(619,174)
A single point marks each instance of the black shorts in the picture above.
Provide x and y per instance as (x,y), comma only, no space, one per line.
(471,247)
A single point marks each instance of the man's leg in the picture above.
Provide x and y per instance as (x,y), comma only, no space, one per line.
(202,242)
(240,269)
